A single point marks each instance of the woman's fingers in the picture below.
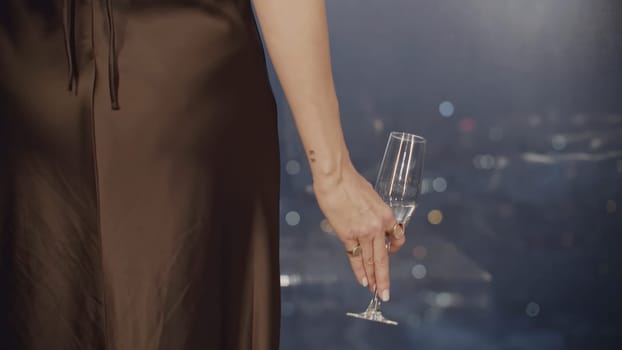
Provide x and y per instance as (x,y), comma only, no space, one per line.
(397,239)
(367,259)
(381,267)
(394,233)
(356,262)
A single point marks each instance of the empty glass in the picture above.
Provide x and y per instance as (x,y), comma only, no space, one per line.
(398,184)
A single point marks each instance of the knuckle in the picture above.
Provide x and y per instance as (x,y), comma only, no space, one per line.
(375,226)
(365,235)
(387,215)
(350,234)
(382,260)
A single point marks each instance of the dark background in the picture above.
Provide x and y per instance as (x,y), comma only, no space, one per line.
(516,241)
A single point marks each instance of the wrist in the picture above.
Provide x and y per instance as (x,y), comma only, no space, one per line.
(330,173)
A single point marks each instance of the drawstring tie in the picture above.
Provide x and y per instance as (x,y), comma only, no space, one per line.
(69,34)
(113,69)
(68,31)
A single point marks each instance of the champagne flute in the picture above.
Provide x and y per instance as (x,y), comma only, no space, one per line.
(398,184)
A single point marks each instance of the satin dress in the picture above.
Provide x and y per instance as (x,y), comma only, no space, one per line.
(139,177)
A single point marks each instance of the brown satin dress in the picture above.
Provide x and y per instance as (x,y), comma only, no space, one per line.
(139,177)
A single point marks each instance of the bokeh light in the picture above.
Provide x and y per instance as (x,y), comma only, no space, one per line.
(435,217)
(426,185)
(596,143)
(420,252)
(439,184)
(446,108)
(483,161)
(292,218)
(290,280)
(326,227)
(292,167)
(309,188)
(611,206)
(579,119)
(486,276)
(378,124)
(444,299)
(467,124)
(532,309)
(495,133)
(567,239)
(558,142)
(535,120)
(501,162)
(419,271)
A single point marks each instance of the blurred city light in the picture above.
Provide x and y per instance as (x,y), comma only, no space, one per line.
(446,109)
(378,125)
(532,309)
(292,218)
(558,142)
(419,271)
(290,280)
(325,226)
(420,252)
(495,133)
(444,299)
(439,184)
(309,188)
(292,167)
(426,185)
(484,161)
(467,124)
(611,206)
(435,217)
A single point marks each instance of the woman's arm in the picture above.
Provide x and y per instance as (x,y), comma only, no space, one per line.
(296,37)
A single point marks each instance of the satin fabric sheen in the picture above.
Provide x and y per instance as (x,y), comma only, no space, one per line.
(139,177)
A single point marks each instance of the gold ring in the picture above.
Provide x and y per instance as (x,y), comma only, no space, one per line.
(398,231)
(356,251)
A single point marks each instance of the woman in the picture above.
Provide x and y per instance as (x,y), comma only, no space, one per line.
(139,211)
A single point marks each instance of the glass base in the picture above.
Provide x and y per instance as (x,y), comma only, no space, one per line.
(373,312)
(375,316)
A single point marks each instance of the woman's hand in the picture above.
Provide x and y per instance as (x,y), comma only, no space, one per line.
(358,216)
(296,36)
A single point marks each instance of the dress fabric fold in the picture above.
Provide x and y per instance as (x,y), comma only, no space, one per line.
(139,177)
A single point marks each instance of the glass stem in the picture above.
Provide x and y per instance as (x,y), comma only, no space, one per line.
(374,304)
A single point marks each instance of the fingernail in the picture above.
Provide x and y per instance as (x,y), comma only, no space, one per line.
(385,295)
